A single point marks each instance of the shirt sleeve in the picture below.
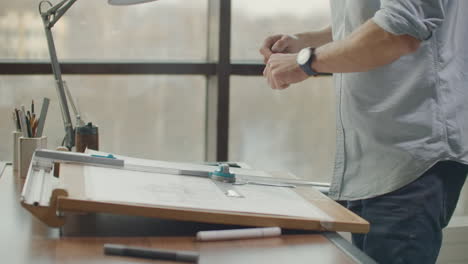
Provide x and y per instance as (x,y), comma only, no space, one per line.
(417,18)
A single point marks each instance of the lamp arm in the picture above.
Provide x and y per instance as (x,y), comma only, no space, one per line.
(57,11)
(49,18)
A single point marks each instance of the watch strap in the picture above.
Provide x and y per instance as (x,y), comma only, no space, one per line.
(307,67)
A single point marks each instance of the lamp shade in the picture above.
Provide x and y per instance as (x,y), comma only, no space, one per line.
(128,2)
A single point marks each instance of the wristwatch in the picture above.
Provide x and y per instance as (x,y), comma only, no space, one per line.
(304,58)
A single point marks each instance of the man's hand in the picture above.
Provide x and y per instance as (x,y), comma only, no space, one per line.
(282,70)
(280,44)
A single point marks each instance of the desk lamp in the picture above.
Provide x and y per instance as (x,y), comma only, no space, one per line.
(49,18)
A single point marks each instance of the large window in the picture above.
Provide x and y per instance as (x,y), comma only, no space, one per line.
(253,21)
(291,130)
(157,78)
(94,30)
(156,117)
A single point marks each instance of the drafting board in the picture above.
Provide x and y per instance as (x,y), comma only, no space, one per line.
(83,188)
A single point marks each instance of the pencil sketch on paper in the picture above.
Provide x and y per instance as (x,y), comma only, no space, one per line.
(156,189)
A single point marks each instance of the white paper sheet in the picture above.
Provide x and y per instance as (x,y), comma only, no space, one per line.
(115,185)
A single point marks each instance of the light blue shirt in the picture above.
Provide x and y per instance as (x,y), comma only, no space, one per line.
(396,121)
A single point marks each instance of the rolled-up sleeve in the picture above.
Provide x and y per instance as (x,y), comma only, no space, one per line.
(417,18)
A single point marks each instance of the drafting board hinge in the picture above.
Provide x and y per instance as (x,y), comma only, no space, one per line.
(41,192)
(48,214)
(45,164)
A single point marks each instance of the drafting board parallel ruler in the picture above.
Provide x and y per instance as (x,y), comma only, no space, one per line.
(61,156)
(43,160)
(227,187)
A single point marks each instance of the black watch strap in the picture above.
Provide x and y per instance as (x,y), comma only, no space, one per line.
(307,67)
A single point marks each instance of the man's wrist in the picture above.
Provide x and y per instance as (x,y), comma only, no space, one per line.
(318,64)
(315,64)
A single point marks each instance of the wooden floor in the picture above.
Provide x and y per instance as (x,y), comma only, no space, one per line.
(23,239)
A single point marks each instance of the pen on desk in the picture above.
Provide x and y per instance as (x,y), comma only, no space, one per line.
(121,250)
(238,233)
(42,116)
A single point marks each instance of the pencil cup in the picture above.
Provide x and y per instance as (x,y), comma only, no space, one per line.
(26,148)
(16,136)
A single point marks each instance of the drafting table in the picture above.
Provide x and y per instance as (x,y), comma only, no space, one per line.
(115,184)
(24,239)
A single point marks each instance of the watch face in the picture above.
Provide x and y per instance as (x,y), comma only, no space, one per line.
(303,56)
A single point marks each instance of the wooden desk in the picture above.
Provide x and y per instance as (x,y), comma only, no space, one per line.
(23,239)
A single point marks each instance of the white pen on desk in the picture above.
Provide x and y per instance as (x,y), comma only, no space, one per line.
(238,233)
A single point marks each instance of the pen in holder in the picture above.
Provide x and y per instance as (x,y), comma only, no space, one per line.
(16,135)
(26,148)
(87,136)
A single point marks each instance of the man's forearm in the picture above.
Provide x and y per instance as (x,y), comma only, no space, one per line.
(365,49)
(316,38)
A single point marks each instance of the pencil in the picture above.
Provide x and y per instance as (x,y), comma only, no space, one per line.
(33,119)
(23,109)
(23,123)
(13,117)
(18,122)
(34,127)
(28,126)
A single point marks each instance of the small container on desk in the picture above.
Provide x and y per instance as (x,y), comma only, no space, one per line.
(16,135)
(87,136)
(26,148)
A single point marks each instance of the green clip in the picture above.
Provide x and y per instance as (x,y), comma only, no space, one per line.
(110,156)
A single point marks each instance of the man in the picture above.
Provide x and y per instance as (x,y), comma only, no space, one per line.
(401,75)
